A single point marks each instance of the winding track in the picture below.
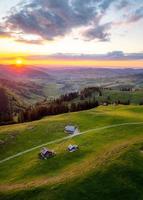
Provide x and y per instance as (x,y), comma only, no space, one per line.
(67,137)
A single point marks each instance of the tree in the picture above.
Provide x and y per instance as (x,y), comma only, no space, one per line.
(5,112)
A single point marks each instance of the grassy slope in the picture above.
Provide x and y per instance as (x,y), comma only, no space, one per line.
(135,97)
(98,170)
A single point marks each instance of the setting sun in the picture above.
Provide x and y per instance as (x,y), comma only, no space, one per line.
(19,61)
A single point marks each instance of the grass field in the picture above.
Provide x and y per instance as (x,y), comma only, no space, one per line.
(108,165)
(135,97)
(115,95)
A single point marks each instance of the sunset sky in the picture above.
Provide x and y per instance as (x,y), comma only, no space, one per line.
(72,32)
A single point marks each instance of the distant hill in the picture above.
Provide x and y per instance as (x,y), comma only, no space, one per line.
(24,89)
(92,72)
(10,106)
(33,84)
(74,79)
(26,72)
(29,83)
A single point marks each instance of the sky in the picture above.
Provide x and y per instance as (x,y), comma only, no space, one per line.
(52,31)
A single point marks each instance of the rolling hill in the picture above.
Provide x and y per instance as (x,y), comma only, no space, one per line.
(108,164)
(28,83)
(26,72)
(27,91)
(10,106)
(33,84)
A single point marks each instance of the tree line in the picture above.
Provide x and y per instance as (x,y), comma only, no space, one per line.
(54,108)
(72,102)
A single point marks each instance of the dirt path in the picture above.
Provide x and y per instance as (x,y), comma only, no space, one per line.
(66,138)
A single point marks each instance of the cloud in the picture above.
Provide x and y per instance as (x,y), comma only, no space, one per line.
(114,55)
(136,15)
(122,4)
(3,33)
(36,42)
(51,19)
(104,5)
(120,55)
(55,18)
(99,32)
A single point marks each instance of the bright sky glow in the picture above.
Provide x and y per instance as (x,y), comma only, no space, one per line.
(116,27)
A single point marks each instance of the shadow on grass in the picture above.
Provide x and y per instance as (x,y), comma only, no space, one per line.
(120,180)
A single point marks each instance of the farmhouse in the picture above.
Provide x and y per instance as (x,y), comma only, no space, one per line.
(46,153)
(70,129)
(72,148)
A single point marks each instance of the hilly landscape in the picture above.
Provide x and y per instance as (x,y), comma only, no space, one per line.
(34,92)
(71,100)
(108,164)
(33,84)
(27,83)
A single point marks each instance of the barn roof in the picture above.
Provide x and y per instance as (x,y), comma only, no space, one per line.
(70,128)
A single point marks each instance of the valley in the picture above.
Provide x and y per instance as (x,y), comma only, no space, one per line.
(34,84)
(36,92)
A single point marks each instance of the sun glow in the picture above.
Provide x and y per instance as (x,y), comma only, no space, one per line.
(19,62)
(55,63)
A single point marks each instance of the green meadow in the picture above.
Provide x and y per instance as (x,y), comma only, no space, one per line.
(108,164)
